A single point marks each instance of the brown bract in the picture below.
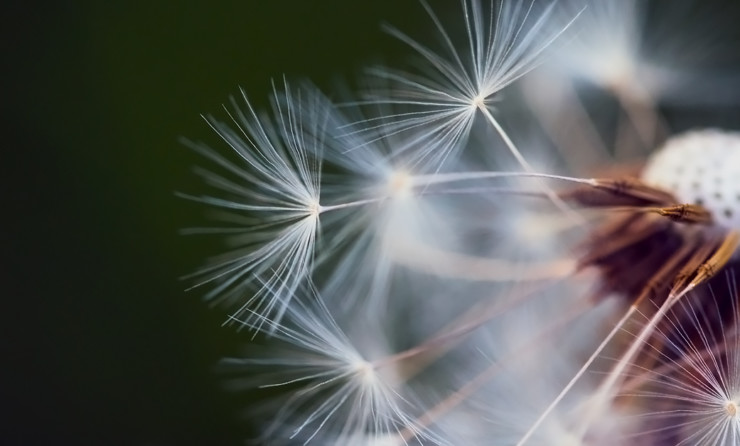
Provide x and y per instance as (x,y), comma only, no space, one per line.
(652,246)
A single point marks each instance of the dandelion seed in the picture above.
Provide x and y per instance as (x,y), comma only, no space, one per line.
(270,199)
(338,395)
(641,64)
(607,49)
(376,209)
(391,212)
(502,45)
(640,61)
(687,387)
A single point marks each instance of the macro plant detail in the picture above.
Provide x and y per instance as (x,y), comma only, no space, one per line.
(440,262)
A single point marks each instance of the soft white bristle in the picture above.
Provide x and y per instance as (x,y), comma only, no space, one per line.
(701,167)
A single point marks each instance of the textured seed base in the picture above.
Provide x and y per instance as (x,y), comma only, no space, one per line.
(701,167)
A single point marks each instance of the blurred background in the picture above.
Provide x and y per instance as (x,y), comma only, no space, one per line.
(100,342)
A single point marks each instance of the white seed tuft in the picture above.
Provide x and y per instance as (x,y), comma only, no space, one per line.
(701,167)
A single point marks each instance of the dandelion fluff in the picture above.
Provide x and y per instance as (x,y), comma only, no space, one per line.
(687,389)
(268,197)
(504,42)
(333,392)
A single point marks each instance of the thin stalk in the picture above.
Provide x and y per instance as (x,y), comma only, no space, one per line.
(627,315)
(423,181)
(525,164)
(606,390)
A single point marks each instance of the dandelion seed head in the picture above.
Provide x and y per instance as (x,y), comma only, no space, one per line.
(703,168)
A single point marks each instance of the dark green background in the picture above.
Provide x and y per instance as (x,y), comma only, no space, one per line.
(101,345)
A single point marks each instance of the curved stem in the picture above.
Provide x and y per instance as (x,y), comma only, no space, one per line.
(525,164)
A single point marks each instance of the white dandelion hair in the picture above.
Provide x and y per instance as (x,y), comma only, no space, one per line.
(468,252)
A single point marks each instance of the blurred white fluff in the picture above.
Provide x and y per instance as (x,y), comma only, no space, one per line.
(607,49)
(393,214)
(381,213)
(532,351)
(676,55)
(674,58)
(508,218)
(613,48)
